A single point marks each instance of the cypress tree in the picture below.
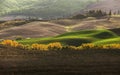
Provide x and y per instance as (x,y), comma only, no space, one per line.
(109,15)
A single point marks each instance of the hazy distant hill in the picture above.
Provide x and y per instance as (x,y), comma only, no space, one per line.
(42,8)
(105,5)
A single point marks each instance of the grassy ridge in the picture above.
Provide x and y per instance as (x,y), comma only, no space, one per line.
(109,41)
(101,34)
(78,38)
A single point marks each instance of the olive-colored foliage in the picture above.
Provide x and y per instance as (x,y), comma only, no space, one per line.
(39,47)
(55,46)
(105,46)
(10,43)
(58,46)
(87,46)
(73,48)
(50,46)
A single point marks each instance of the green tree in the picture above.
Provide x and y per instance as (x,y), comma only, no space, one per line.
(96,13)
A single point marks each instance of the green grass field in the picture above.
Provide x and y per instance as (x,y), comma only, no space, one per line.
(78,38)
(109,41)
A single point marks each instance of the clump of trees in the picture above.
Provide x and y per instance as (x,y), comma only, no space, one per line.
(44,47)
(59,46)
(96,14)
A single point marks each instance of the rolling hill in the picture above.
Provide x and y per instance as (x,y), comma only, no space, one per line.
(76,38)
(105,5)
(109,41)
(32,30)
(22,59)
(35,29)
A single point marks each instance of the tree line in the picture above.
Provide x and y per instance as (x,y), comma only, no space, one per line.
(96,14)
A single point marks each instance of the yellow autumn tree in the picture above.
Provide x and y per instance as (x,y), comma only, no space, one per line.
(87,46)
(39,47)
(55,46)
(10,43)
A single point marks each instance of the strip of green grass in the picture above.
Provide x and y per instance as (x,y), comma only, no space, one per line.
(108,41)
(76,38)
(101,34)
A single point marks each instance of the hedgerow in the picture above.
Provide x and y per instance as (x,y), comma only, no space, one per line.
(58,46)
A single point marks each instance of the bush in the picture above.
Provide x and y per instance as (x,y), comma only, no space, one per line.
(19,38)
(55,46)
(79,16)
(58,46)
(106,46)
(39,47)
(73,48)
(87,46)
(10,43)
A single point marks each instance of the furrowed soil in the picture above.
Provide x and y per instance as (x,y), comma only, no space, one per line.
(87,62)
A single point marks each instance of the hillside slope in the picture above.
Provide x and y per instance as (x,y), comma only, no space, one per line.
(74,38)
(33,29)
(55,27)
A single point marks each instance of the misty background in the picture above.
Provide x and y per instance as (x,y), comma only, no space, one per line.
(44,9)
